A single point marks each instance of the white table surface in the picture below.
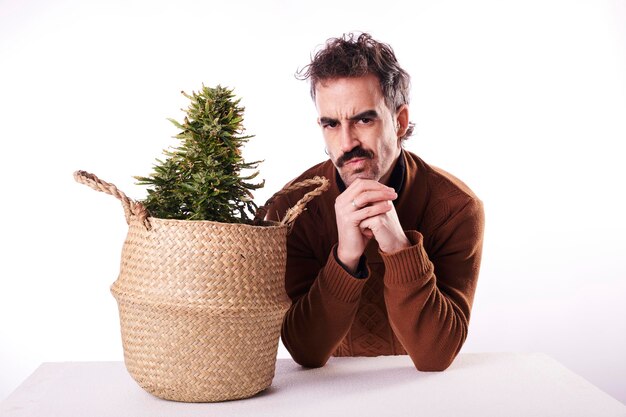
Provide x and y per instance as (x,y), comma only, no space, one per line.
(477,384)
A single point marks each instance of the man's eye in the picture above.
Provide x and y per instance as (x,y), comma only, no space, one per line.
(330,124)
(365,120)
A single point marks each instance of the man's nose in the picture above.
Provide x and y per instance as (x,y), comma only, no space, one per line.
(348,139)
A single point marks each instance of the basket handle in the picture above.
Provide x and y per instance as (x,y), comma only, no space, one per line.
(131,207)
(135,208)
(293,213)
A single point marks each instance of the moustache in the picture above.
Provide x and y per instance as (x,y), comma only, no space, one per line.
(357,152)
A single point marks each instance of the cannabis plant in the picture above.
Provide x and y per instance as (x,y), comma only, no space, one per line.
(202,179)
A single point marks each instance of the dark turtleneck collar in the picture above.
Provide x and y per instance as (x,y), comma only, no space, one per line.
(396,180)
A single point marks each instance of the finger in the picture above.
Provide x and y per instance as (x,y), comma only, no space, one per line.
(373,191)
(361,185)
(370,211)
(370,223)
(367,233)
(371,197)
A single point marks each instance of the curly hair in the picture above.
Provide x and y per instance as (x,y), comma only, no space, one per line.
(356,56)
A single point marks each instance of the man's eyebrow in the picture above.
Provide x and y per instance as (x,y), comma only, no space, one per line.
(367,114)
(328,120)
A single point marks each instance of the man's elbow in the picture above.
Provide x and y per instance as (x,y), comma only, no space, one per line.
(308,360)
(311,363)
(432,364)
(438,358)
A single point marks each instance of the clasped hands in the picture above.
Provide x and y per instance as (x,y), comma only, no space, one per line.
(364,211)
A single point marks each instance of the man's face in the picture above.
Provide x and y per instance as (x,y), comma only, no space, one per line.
(361,133)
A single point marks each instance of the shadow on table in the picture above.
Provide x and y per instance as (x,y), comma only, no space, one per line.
(341,379)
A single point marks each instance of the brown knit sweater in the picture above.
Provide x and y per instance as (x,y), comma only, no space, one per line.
(414,301)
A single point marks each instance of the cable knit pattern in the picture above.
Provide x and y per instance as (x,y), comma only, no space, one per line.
(416,301)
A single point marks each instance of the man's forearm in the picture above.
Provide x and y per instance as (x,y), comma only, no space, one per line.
(432,330)
(431,325)
(318,321)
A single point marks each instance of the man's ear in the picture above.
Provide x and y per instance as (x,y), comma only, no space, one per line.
(402,120)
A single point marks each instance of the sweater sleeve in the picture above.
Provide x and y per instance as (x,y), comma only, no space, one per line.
(429,298)
(319,319)
(324,296)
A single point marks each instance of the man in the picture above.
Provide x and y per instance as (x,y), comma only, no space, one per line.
(386,261)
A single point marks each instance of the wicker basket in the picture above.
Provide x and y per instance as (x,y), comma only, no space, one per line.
(201,303)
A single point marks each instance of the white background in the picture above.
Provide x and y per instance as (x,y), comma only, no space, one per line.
(523,100)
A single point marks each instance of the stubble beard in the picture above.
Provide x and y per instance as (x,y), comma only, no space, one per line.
(369,172)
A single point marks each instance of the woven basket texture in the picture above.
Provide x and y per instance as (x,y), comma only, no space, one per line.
(201,303)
